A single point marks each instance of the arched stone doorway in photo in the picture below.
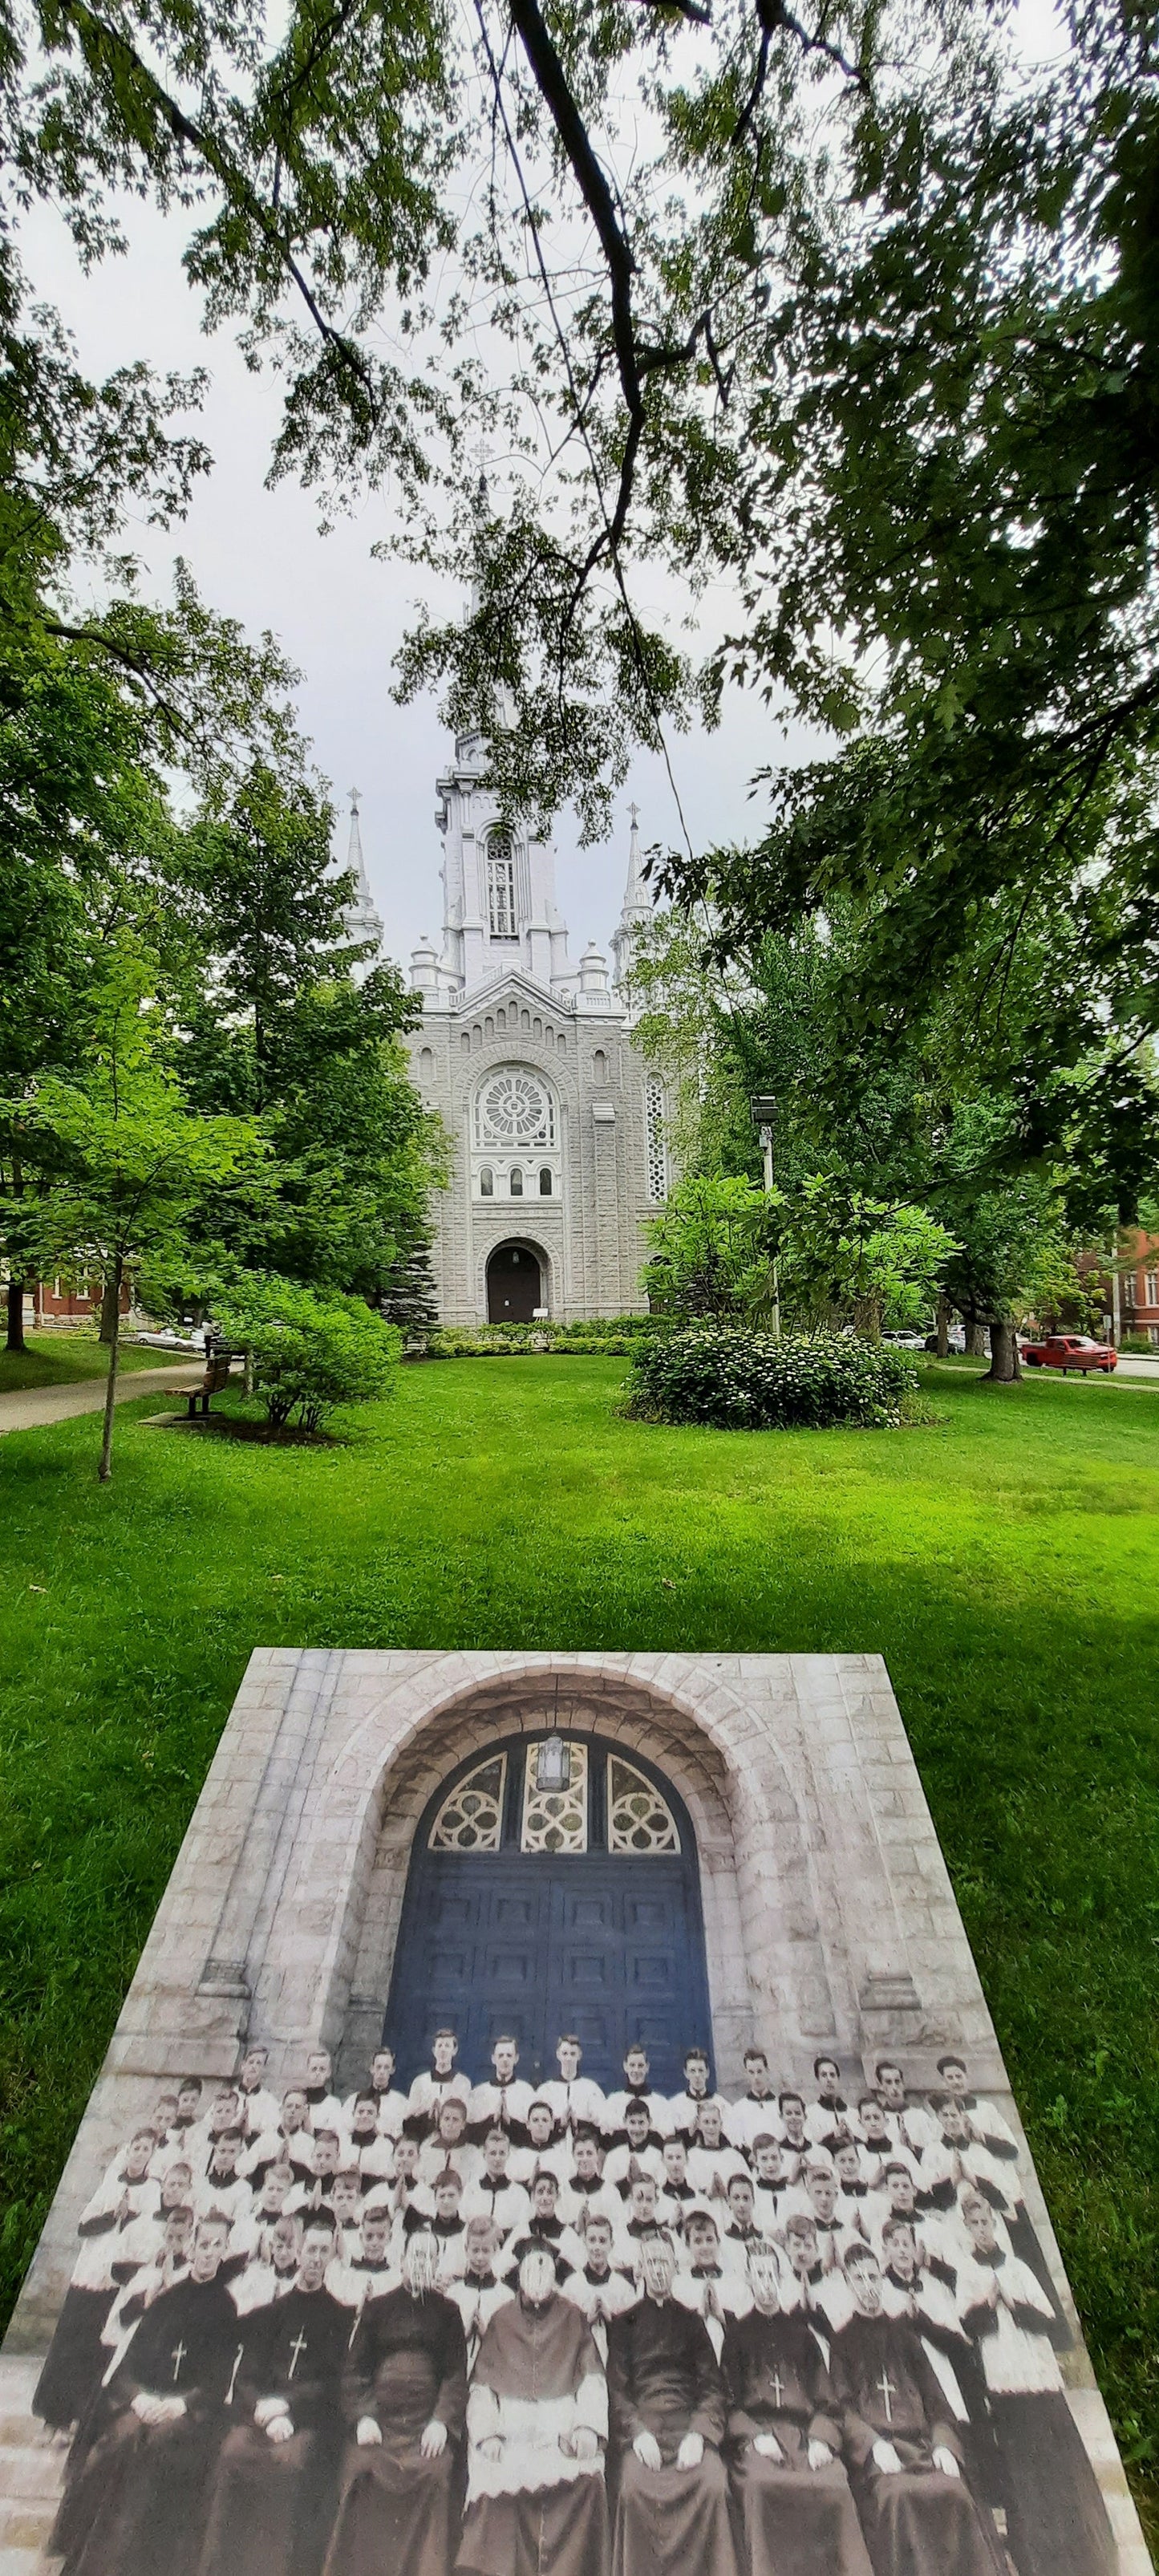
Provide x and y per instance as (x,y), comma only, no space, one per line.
(540,1910)
(514,1284)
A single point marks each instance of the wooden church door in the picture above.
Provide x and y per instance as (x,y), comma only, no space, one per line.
(537,1910)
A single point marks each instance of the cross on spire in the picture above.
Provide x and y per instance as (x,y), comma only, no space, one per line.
(355,795)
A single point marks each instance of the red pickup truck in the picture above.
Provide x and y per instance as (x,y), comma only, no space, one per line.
(1068,1351)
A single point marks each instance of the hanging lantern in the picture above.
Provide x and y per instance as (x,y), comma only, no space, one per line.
(553,1764)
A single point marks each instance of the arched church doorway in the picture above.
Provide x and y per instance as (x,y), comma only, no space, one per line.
(514,1284)
(538,1909)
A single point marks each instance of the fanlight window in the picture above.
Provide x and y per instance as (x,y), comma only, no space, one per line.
(556,1820)
(471,1817)
(514,1109)
(639,1819)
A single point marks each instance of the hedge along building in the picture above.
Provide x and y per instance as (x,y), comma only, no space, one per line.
(557,1122)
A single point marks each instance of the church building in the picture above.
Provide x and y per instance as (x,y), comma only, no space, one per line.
(530,1061)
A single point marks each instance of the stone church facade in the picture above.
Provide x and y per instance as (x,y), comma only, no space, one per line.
(531,1062)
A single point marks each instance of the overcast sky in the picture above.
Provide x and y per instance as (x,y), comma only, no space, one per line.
(257,555)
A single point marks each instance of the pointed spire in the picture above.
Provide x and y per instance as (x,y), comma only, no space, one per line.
(636,895)
(361,918)
(636,910)
(354,858)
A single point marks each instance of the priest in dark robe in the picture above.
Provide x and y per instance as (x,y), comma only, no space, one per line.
(273,2497)
(902,2443)
(537,2426)
(404,2399)
(666,2408)
(138,2505)
(793,2509)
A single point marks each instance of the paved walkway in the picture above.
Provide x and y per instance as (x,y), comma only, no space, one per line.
(29,1405)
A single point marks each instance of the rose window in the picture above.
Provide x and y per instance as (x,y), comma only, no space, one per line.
(514,1109)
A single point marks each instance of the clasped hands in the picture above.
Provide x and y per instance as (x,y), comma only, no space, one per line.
(272,2417)
(158,2410)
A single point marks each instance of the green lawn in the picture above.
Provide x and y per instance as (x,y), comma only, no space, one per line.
(1005,1562)
(59,1359)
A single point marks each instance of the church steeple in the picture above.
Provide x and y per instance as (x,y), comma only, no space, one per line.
(361,919)
(635,912)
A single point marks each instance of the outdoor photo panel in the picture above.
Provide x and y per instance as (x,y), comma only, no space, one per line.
(553,2251)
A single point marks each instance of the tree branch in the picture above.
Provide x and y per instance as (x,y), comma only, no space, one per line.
(97,37)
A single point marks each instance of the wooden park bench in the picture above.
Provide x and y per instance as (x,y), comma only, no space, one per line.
(217,1367)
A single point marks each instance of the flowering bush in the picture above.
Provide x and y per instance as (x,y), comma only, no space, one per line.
(747,1382)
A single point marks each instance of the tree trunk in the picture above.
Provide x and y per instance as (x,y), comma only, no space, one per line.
(943,1328)
(1005,1366)
(975,1338)
(110,1312)
(15,1341)
(106,1466)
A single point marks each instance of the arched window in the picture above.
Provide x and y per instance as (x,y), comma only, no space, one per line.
(471,1818)
(516,1182)
(545,1181)
(599,1066)
(501,887)
(486,1182)
(639,1819)
(426,1064)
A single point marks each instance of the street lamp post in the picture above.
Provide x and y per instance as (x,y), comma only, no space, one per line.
(763,1112)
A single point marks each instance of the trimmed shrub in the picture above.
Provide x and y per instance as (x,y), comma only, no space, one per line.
(616,1335)
(309,1353)
(747,1382)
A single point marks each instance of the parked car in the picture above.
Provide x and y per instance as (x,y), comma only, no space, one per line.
(956,1342)
(1067,1351)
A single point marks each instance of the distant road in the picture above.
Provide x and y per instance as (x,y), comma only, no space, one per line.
(30,1405)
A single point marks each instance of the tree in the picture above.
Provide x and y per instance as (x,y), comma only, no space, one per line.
(123,1160)
(713,1249)
(851,1259)
(277,1028)
(306,1353)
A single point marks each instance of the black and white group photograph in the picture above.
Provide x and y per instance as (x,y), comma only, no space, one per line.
(451,2322)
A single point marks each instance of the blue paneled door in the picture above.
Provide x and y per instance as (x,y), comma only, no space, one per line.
(608,1945)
